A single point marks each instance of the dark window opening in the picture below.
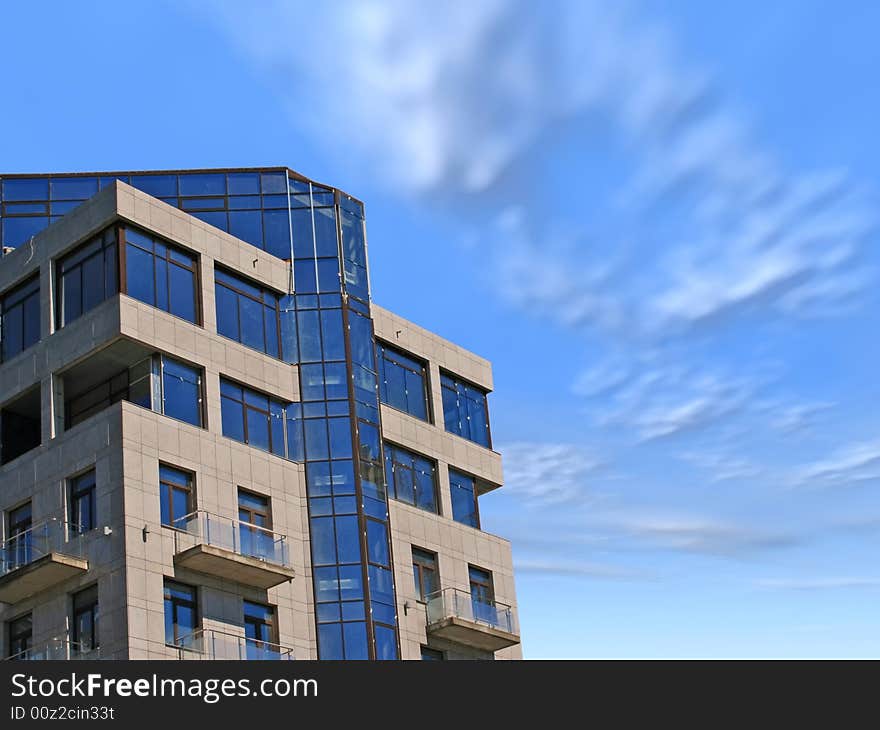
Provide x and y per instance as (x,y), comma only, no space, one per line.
(82,502)
(19,318)
(260,629)
(86,277)
(20,426)
(21,632)
(432,655)
(18,548)
(85,620)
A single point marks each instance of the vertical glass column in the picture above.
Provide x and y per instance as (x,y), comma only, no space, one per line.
(335,429)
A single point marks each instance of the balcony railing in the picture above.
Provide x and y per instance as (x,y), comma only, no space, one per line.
(242,538)
(208,644)
(59,648)
(454,603)
(51,536)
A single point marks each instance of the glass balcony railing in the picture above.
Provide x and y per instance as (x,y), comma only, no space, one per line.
(50,536)
(59,648)
(208,644)
(243,538)
(454,603)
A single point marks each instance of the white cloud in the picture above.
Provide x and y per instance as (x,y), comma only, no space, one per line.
(819,584)
(548,473)
(856,463)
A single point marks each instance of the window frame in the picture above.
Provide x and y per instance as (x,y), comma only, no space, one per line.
(382,348)
(272,624)
(445,376)
(486,581)
(93,608)
(102,247)
(75,493)
(424,561)
(247,407)
(25,290)
(477,522)
(263,305)
(176,601)
(391,451)
(189,489)
(433,654)
(12,635)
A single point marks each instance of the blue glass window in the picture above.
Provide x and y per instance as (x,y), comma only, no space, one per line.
(464,499)
(176,499)
(82,502)
(73,188)
(403,381)
(465,411)
(181,614)
(181,391)
(247,313)
(411,478)
(160,275)
(36,188)
(20,318)
(86,277)
(251,417)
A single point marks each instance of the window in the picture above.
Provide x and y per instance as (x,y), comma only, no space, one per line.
(176,499)
(482,595)
(85,620)
(161,275)
(86,277)
(464,499)
(425,573)
(158,382)
(19,538)
(465,412)
(21,632)
(411,478)
(251,417)
(260,630)
(20,318)
(255,523)
(403,382)
(181,391)
(82,502)
(181,616)
(247,313)
(432,655)
(20,425)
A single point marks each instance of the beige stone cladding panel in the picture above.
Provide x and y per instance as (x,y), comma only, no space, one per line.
(414,434)
(402,333)
(41,476)
(220,466)
(457,546)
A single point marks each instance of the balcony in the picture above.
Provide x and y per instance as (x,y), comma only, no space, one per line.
(59,648)
(210,644)
(232,550)
(455,615)
(45,555)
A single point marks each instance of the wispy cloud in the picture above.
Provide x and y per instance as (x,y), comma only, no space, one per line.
(548,473)
(849,465)
(820,584)
(579,569)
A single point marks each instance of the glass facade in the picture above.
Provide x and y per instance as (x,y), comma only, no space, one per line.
(324,325)
(86,277)
(19,318)
(403,382)
(465,411)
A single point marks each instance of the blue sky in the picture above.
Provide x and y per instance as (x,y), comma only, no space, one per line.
(658,220)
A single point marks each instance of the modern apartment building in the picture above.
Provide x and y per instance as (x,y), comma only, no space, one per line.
(213,445)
